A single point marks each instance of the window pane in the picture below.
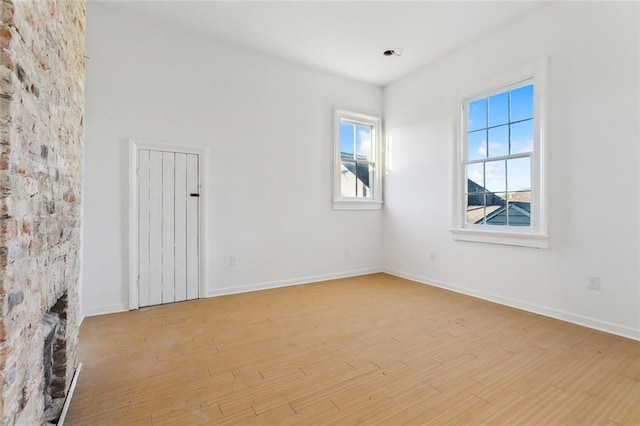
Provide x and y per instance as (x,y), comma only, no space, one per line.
(519,208)
(475,178)
(499,109)
(522,137)
(496,212)
(519,174)
(519,196)
(475,208)
(495,176)
(498,141)
(522,103)
(363,172)
(363,142)
(477,115)
(347,131)
(348,179)
(477,145)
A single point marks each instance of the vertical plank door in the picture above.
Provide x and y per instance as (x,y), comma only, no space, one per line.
(168,227)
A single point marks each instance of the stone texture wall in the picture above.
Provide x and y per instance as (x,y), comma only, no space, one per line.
(41,136)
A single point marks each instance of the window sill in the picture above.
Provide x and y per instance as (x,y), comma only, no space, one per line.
(521,239)
(357,205)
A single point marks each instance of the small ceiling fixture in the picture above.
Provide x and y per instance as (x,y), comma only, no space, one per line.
(392,52)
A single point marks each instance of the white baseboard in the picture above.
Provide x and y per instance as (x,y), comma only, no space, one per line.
(619,330)
(122,307)
(596,324)
(104,309)
(286,283)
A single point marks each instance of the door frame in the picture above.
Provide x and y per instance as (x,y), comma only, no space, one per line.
(134,146)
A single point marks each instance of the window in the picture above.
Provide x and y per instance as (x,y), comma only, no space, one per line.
(357,177)
(500,184)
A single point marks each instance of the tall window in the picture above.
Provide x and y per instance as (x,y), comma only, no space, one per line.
(500,183)
(357,177)
(499,145)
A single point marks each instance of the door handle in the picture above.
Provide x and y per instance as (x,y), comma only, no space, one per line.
(195,194)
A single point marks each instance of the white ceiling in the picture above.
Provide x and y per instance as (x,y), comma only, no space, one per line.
(344,38)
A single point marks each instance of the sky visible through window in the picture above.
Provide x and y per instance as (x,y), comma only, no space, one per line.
(355,138)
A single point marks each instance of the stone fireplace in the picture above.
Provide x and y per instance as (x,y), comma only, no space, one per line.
(41,137)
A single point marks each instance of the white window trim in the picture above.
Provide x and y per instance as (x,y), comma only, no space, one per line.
(353,203)
(536,235)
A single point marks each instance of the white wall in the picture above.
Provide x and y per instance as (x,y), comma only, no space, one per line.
(267,125)
(593,169)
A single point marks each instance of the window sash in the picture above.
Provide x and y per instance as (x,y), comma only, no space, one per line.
(499,158)
(495,158)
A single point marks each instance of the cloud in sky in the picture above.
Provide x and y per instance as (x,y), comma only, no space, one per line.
(363,142)
(521,146)
(495,176)
(475,172)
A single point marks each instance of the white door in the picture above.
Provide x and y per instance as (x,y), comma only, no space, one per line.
(168,227)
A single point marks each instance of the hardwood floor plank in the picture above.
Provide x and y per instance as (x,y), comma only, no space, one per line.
(374,349)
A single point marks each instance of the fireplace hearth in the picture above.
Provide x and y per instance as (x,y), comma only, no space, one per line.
(54,359)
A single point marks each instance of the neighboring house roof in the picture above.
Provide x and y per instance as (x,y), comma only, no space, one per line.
(494,209)
(362,173)
(518,215)
(476,214)
(478,200)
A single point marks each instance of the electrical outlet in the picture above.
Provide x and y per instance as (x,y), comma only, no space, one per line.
(346,251)
(432,256)
(232,261)
(594,283)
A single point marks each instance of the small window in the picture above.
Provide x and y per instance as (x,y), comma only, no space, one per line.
(500,182)
(357,177)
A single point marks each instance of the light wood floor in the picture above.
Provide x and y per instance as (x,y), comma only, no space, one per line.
(372,349)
